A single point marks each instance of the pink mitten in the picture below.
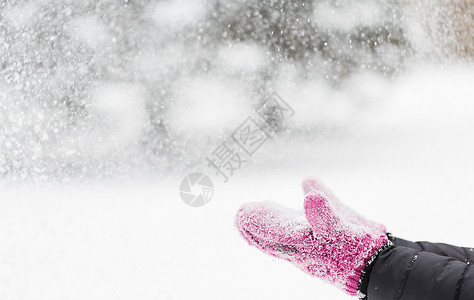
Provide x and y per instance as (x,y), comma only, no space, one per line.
(350,215)
(324,244)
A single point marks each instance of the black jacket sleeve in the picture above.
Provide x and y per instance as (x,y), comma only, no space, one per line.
(463,254)
(412,274)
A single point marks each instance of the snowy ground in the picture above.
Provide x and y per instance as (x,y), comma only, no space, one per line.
(407,163)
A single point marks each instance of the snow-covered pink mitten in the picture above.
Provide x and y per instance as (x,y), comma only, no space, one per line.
(350,215)
(323,244)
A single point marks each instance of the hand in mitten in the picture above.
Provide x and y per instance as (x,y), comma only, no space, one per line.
(350,215)
(321,242)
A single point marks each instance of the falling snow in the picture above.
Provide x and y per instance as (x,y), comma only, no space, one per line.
(100,89)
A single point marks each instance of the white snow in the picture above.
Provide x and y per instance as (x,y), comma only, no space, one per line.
(21,15)
(205,106)
(347,14)
(178,13)
(122,112)
(91,31)
(242,58)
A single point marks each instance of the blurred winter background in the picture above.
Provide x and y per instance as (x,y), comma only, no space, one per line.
(105,106)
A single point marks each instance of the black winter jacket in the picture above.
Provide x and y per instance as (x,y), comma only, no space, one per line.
(422,270)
